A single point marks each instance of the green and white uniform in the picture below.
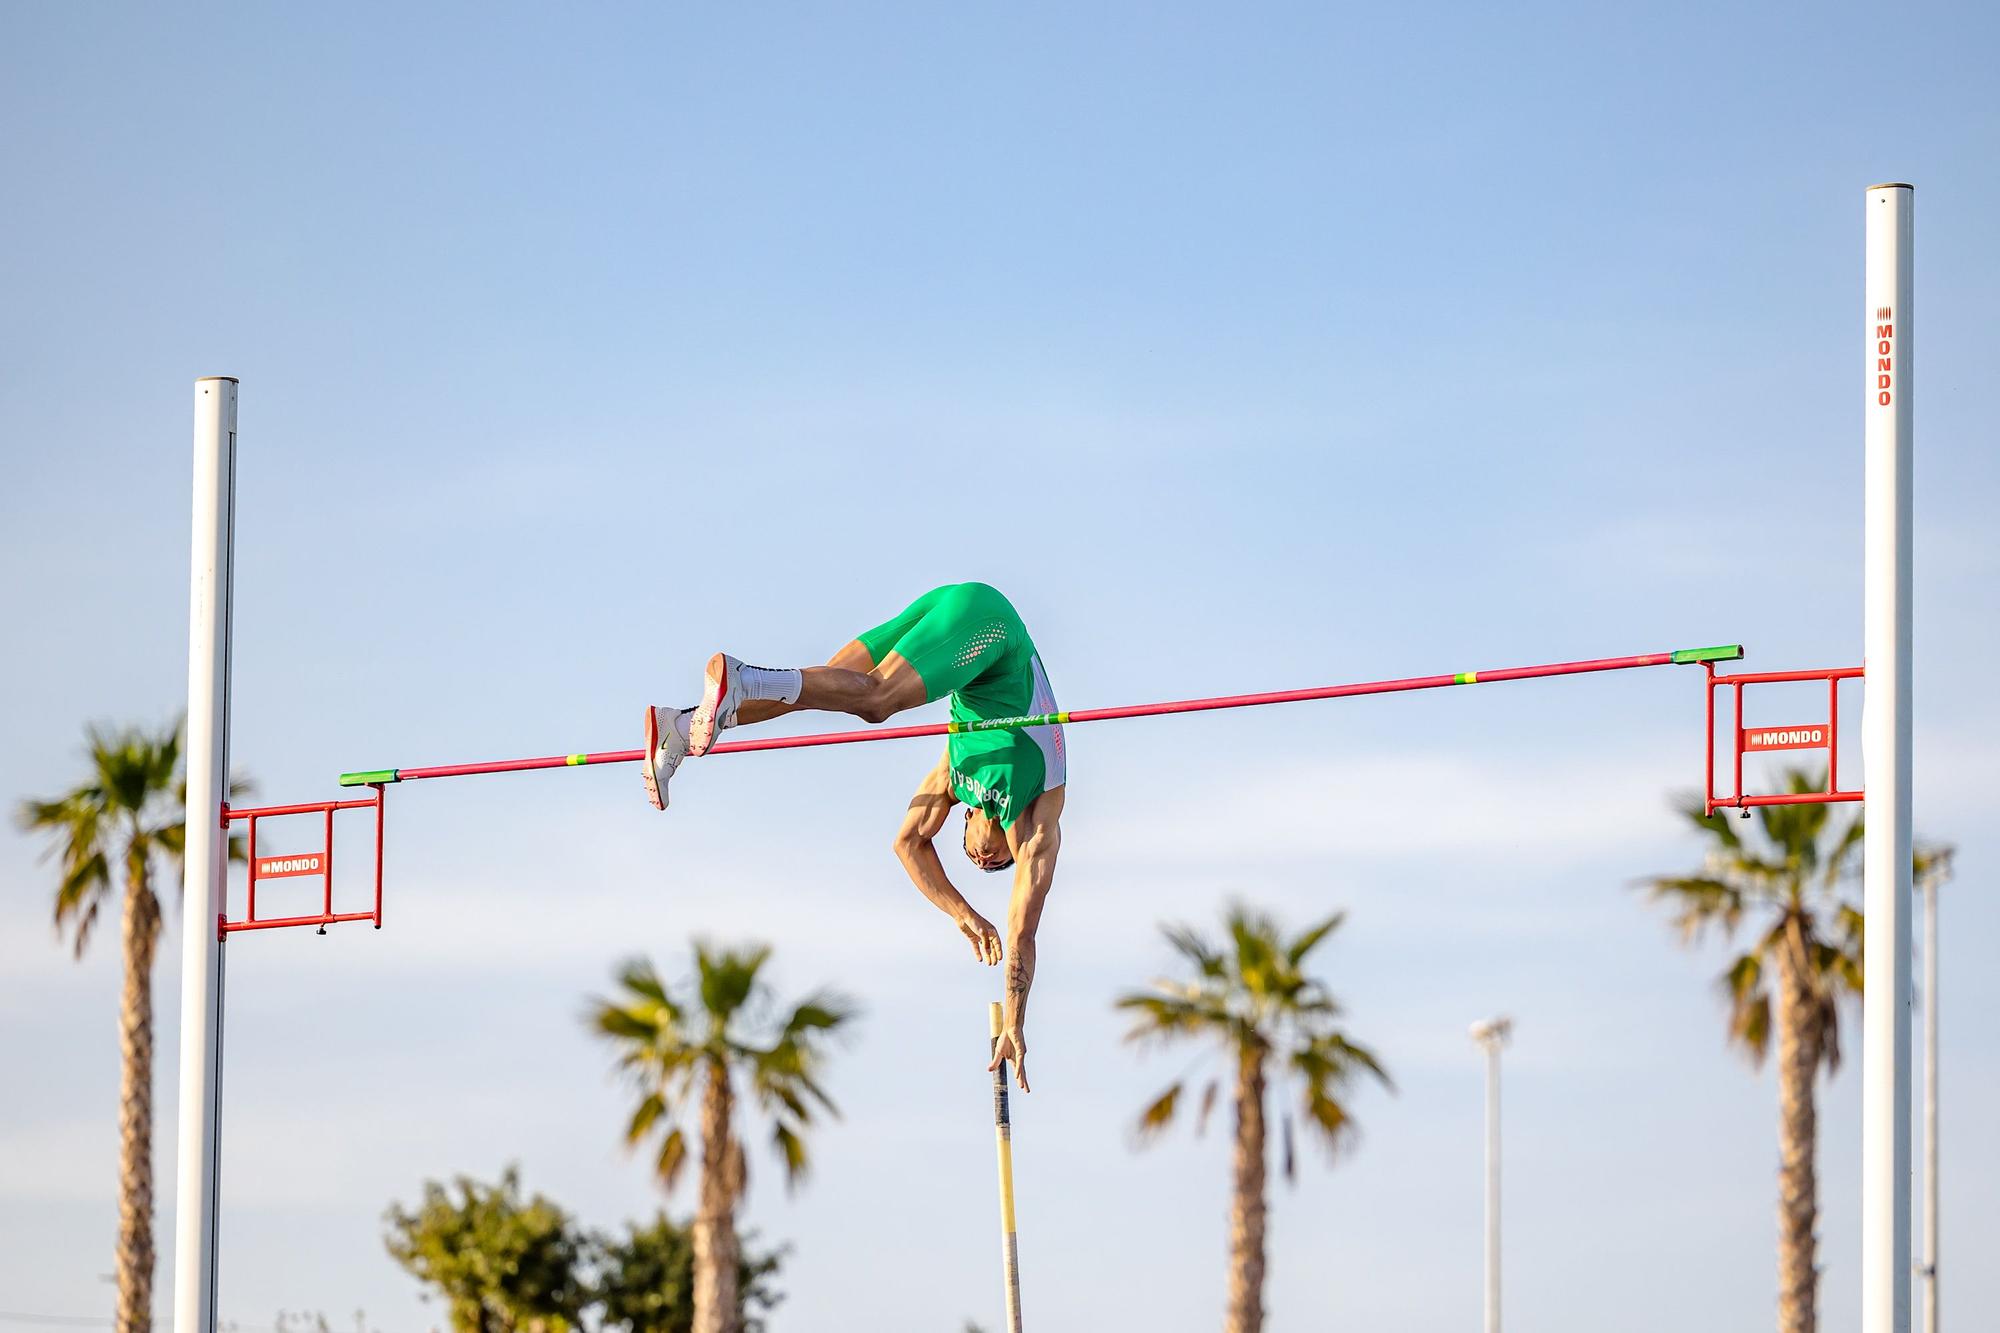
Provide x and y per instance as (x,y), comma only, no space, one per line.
(967,641)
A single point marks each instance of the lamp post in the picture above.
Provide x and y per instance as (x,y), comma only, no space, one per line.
(1492,1034)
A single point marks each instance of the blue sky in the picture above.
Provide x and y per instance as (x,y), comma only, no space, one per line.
(1245,347)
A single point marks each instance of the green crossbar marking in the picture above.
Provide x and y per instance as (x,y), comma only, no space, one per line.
(1726,652)
(575,759)
(372,775)
(1466,678)
(1008,723)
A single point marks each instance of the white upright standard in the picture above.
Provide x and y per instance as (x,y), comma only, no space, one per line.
(211,583)
(1885,1025)
(1936,871)
(1492,1034)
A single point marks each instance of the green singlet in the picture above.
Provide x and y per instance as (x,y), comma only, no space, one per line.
(967,641)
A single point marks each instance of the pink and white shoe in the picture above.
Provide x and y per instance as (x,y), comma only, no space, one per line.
(666,746)
(721,694)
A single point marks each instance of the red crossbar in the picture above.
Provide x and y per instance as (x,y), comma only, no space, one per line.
(1078,715)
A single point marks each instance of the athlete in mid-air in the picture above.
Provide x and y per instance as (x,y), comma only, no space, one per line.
(964,640)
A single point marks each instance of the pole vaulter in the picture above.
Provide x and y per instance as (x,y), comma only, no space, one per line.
(1005,755)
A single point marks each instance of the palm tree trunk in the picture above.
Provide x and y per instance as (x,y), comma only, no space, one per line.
(1798,1134)
(135,1110)
(1246,1210)
(716,1300)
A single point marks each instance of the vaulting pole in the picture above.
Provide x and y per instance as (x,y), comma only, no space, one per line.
(1010,1254)
(1885,1027)
(206,859)
(1676,657)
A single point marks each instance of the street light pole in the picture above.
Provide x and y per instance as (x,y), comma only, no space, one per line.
(1492,1034)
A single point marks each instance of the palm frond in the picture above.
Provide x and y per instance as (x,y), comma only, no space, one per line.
(818,1094)
(1255,936)
(1190,944)
(644,1118)
(1841,857)
(1848,949)
(1306,941)
(1332,1062)
(821,1014)
(1159,1113)
(1350,1058)
(1826,1013)
(1932,861)
(638,976)
(1209,1095)
(1743,985)
(1720,827)
(786,1097)
(791,1150)
(727,978)
(83,925)
(1330,1122)
(1164,1015)
(1697,902)
(614,1020)
(85,885)
(672,1159)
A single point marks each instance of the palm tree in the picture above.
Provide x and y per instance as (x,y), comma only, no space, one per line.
(1791,871)
(1250,996)
(681,1052)
(115,824)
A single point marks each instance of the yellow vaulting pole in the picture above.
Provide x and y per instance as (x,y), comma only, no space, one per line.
(1010,1253)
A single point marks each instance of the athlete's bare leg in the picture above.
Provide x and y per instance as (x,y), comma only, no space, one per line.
(851,682)
(852,657)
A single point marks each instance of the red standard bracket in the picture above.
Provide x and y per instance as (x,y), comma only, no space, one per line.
(1752,740)
(316,864)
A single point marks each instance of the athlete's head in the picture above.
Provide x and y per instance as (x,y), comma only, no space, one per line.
(986,842)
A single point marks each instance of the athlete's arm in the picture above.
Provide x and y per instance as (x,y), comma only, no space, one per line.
(1036,839)
(915,849)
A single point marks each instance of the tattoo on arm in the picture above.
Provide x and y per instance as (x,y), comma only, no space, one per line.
(1020,976)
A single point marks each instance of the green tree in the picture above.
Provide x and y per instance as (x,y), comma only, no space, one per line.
(1790,877)
(1250,997)
(645,1280)
(503,1265)
(107,833)
(681,1052)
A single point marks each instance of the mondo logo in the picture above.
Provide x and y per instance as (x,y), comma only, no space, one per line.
(277,867)
(1813,737)
(1885,356)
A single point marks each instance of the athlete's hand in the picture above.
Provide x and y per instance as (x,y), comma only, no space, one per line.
(1012,1046)
(985,939)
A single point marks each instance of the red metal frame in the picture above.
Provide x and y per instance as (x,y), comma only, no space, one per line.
(326,915)
(1739,799)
